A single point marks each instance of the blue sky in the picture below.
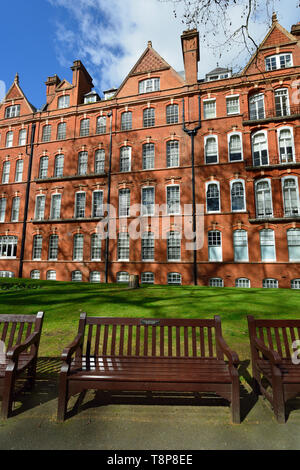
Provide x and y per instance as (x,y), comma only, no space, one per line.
(39,38)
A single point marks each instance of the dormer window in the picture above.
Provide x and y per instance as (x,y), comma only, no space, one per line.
(63,101)
(279,61)
(149,85)
(12,111)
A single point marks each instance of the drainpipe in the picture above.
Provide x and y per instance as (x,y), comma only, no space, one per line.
(192,133)
(27,200)
(108,202)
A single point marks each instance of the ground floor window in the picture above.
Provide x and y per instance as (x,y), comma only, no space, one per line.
(8,247)
(295,284)
(242,282)
(147,278)
(270,283)
(95,276)
(6,274)
(216,282)
(123,277)
(35,274)
(76,276)
(51,276)
(174,279)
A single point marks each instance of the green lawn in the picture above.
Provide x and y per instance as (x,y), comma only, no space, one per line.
(63,302)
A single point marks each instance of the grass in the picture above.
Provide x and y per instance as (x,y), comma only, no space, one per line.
(62,303)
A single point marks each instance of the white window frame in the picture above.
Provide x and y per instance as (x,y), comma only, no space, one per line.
(232,182)
(42,217)
(9,139)
(295,178)
(231,97)
(170,157)
(243,279)
(246,260)
(268,260)
(167,204)
(50,276)
(5,172)
(12,111)
(269,280)
(18,173)
(291,258)
(3,201)
(63,102)
(58,158)
(207,184)
(148,235)
(128,200)
(231,134)
(55,196)
(292,138)
(93,203)
(206,101)
(150,156)
(215,246)
(96,274)
(119,247)
(277,57)
(74,275)
(148,277)
(37,247)
(216,280)
(99,160)
(84,130)
(217,142)
(265,133)
(53,247)
(125,149)
(22,137)
(126,121)
(145,212)
(35,274)
(82,168)
(76,204)
(43,169)
(15,209)
(144,85)
(256,205)
(97,237)
(288,109)
(61,135)
(174,279)
(257,116)
(76,249)
(177,237)
(121,275)
(172,117)
(295,283)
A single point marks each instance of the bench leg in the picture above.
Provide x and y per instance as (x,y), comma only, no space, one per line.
(235,399)
(278,399)
(31,374)
(8,392)
(62,399)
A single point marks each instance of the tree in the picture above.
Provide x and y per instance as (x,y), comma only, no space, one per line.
(226,24)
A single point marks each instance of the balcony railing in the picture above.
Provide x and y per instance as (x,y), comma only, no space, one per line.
(273,161)
(272,114)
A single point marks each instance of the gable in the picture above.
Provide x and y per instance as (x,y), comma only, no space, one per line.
(64,85)
(149,62)
(15,95)
(277,36)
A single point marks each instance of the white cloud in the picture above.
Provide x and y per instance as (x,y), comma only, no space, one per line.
(109,36)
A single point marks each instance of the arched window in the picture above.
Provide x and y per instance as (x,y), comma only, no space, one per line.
(95,276)
(59,166)
(37,247)
(149,117)
(19,171)
(260,149)
(282,104)
(61,131)
(235,147)
(125,159)
(263,196)
(172,114)
(257,106)
(100,161)
(96,247)
(53,247)
(51,276)
(43,173)
(270,284)
(126,121)
(211,149)
(286,145)
(174,279)
(238,202)
(9,139)
(147,278)
(76,276)
(291,200)
(22,137)
(295,284)
(82,163)
(293,238)
(46,133)
(216,282)
(149,85)
(148,156)
(63,101)
(122,276)
(124,202)
(84,127)
(240,244)
(101,125)
(212,197)
(35,274)
(243,283)
(78,247)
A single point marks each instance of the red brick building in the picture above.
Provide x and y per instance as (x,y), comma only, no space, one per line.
(236,153)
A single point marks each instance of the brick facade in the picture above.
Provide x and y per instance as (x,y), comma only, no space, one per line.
(254,168)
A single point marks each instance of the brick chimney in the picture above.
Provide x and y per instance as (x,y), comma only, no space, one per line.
(191,55)
(51,85)
(296,30)
(82,81)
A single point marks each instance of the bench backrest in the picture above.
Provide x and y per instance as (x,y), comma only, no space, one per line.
(278,335)
(150,337)
(14,329)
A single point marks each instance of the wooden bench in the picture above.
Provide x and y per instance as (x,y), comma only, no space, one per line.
(133,354)
(20,338)
(272,351)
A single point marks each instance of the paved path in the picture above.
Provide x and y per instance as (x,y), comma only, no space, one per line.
(142,427)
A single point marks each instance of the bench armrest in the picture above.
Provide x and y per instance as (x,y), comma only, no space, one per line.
(14,352)
(270,354)
(231,355)
(69,350)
